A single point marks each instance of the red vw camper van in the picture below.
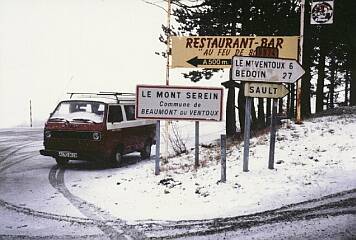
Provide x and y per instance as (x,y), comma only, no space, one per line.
(97,126)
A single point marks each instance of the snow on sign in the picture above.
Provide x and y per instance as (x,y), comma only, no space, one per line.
(257,69)
(179,103)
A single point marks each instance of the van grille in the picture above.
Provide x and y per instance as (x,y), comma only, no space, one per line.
(72,134)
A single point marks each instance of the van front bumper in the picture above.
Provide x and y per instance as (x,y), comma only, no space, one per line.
(70,155)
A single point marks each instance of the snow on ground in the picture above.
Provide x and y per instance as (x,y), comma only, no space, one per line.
(313,159)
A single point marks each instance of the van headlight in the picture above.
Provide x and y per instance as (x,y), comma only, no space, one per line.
(47,134)
(96,136)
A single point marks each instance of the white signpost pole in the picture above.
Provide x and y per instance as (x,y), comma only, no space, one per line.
(166,129)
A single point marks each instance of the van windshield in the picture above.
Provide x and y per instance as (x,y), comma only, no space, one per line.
(79,111)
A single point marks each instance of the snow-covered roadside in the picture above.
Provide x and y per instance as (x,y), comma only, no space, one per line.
(313,159)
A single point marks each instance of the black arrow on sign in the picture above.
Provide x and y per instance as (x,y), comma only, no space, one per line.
(195,61)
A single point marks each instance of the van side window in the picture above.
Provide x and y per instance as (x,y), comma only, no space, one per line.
(130,112)
(115,114)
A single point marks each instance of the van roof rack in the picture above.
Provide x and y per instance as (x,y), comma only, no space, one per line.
(115,94)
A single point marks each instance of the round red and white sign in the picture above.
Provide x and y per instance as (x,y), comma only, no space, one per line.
(322,12)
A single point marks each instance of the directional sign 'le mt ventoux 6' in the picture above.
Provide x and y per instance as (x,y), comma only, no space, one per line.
(257,69)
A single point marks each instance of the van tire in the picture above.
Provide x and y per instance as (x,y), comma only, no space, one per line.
(117,158)
(62,162)
(146,151)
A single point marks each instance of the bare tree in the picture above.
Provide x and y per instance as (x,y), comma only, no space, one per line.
(177,141)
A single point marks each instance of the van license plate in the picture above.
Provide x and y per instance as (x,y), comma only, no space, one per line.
(67,154)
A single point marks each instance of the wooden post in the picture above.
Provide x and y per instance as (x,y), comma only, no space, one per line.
(166,128)
(298,117)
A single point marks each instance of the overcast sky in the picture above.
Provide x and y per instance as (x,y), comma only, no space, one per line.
(50,47)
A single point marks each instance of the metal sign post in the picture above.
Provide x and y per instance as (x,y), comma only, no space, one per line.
(158,145)
(223,158)
(196,144)
(247,133)
(272,135)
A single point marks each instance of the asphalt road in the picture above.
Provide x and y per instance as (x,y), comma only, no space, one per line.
(35,203)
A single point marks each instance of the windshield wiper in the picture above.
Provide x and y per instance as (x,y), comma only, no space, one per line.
(83,120)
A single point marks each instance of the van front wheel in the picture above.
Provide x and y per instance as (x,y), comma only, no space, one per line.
(117,158)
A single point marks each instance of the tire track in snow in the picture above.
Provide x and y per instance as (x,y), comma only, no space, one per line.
(10,164)
(16,150)
(118,231)
(343,203)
